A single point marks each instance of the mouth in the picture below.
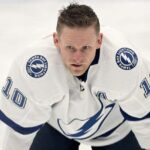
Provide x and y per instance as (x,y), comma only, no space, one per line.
(76,65)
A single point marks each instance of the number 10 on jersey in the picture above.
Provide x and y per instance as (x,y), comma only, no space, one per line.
(17,96)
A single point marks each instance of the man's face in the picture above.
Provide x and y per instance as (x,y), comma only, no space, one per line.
(77,47)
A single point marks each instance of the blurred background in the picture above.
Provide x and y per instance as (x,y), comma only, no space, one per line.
(23,22)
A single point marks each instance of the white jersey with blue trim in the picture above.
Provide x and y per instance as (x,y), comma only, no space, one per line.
(99,108)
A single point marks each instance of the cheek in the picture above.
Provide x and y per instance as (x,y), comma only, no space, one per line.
(65,56)
(91,56)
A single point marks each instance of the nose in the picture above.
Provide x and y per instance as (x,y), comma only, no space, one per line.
(78,56)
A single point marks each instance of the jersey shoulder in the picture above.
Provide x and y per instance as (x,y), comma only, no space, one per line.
(119,65)
(39,72)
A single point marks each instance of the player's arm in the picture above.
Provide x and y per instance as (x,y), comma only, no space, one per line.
(14,140)
(20,110)
(130,81)
(136,107)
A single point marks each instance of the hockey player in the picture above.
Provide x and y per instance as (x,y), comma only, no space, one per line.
(84,85)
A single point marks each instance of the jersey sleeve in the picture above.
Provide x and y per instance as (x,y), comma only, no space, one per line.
(136,107)
(20,109)
(15,141)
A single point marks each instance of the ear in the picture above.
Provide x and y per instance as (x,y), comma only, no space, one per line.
(56,39)
(100,38)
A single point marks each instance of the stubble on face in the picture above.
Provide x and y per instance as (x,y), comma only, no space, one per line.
(77,48)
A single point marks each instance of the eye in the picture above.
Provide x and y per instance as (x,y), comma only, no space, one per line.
(71,48)
(85,48)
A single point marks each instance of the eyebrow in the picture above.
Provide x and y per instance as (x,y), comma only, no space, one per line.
(76,48)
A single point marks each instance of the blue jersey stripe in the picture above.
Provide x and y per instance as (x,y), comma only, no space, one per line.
(17,127)
(132,118)
(108,133)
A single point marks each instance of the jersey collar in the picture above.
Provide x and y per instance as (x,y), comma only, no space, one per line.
(95,61)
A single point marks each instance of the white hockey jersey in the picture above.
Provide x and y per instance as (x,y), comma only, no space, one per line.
(99,108)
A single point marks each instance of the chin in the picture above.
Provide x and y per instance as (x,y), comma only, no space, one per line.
(77,73)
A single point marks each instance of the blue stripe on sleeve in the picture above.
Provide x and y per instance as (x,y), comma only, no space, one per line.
(17,127)
(132,118)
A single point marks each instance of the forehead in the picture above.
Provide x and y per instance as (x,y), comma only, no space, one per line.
(78,34)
